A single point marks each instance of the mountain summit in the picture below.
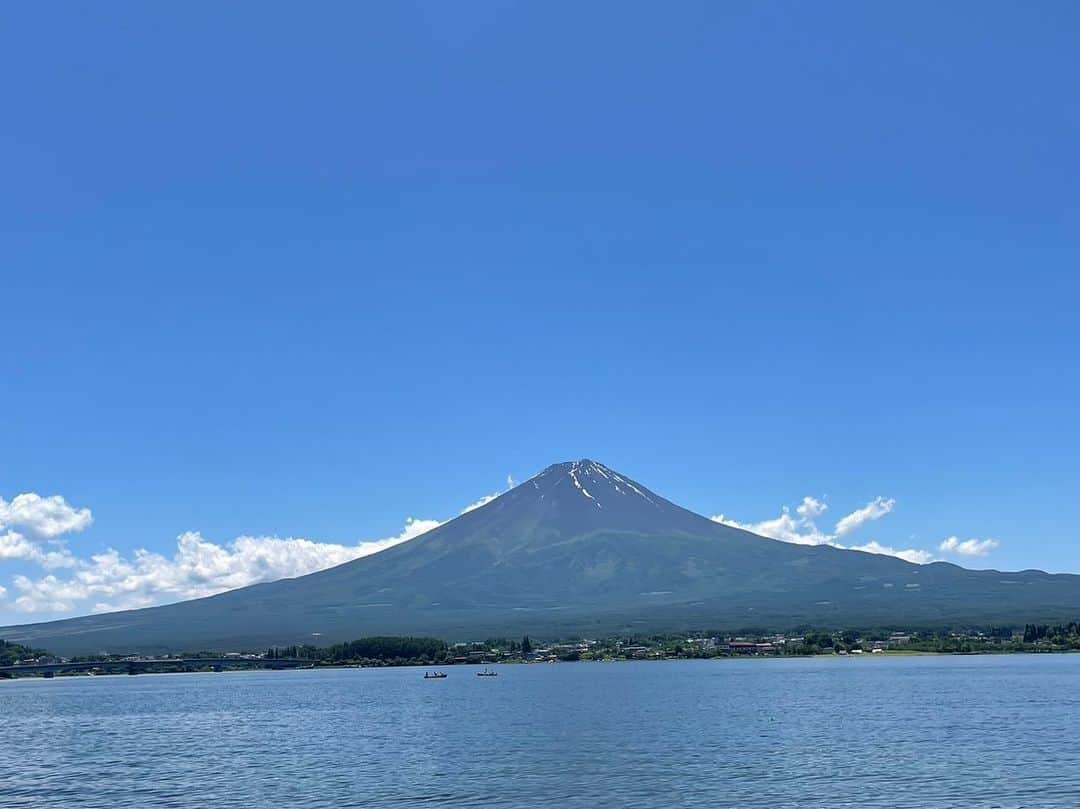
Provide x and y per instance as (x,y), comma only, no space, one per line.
(578,496)
(577,549)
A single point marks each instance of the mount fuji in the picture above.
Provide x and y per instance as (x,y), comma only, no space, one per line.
(579,549)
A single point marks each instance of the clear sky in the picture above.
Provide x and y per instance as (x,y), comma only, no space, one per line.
(273,270)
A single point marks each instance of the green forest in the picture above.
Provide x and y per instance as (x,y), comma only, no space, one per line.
(382,649)
(10,652)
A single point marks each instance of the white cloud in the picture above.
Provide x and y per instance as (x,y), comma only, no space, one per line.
(874,510)
(14,545)
(483,501)
(968,547)
(811,508)
(43,517)
(198,568)
(510,482)
(3,592)
(801,529)
(914,555)
(31,527)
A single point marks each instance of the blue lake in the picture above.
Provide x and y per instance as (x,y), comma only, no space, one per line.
(991,731)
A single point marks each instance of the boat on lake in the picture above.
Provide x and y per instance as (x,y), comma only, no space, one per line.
(434,675)
(487,673)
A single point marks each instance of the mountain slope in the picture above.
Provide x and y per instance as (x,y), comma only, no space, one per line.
(577,549)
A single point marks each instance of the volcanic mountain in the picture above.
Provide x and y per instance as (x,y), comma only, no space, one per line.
(578,549)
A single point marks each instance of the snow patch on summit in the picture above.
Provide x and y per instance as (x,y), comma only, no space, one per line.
(630,485)
(579,486)
(590,478)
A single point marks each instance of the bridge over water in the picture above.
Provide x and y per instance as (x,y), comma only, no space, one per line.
(150,665)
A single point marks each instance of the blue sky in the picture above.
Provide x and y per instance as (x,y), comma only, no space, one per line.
(276,272)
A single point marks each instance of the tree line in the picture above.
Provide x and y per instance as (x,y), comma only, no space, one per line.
(1059,634)
(10,652)
(387,649)
(381,648)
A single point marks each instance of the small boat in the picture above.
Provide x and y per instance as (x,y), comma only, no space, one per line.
(434,675)
(487,673)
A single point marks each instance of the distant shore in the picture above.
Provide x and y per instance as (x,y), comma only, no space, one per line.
(391,651)
(168,666)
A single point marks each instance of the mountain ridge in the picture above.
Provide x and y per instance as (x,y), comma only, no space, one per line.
(577,549)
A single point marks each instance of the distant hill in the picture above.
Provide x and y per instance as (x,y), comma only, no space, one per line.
(578,549)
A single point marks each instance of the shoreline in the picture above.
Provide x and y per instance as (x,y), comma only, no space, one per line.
(915,653)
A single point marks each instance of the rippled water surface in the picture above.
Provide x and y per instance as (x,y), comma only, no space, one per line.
(896,732)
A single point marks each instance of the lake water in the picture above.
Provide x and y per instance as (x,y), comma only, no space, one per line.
(989,731)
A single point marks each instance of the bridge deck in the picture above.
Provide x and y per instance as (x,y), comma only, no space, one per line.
(151,665)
